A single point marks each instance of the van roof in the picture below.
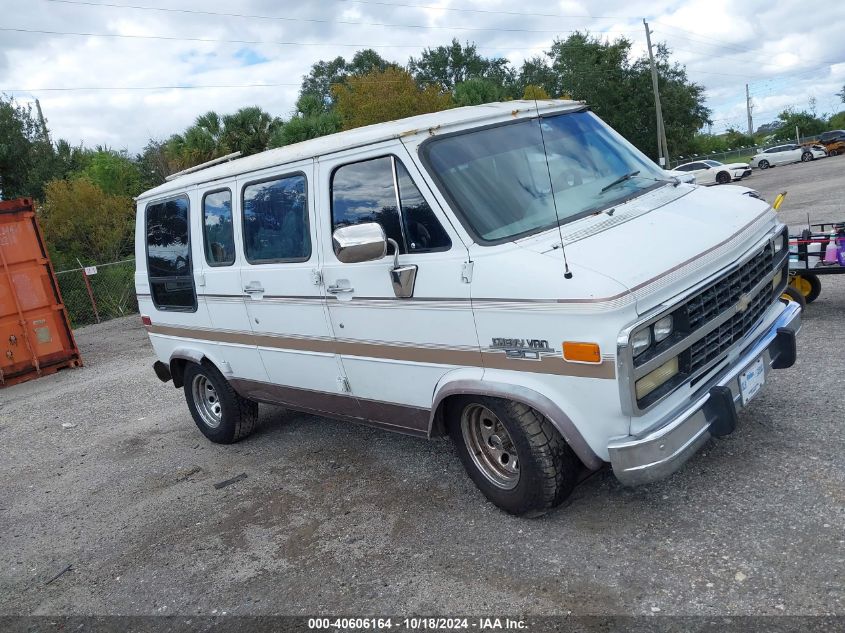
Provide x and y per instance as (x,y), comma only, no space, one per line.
(411,126)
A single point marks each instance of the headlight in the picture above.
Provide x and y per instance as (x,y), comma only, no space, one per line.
(659,376)
(640,341)
(662,328)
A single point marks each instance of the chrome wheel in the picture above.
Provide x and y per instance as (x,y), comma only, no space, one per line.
(490,446)
(206,400)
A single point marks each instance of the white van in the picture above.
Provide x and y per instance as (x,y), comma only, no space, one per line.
(515,275)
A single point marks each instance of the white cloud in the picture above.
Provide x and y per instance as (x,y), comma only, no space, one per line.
(786,51)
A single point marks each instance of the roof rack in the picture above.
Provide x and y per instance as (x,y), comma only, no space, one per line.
(191,170)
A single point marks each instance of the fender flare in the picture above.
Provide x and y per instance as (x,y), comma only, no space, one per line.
(181,355)
(525,395)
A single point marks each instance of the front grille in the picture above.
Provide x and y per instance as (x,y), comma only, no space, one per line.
(731,331)
(721,295)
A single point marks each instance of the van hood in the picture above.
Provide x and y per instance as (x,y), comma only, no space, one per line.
(665,241)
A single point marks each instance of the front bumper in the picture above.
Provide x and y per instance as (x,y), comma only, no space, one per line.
(665,448)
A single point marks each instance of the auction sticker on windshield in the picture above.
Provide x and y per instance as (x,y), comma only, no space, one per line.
(751,380)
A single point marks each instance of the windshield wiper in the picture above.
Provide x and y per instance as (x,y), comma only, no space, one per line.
(620,180)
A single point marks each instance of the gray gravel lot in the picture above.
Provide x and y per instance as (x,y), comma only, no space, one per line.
(337,518)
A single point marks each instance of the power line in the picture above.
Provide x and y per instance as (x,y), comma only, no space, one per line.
(229,41)
(722,44)
(173,87)
(464,10)
(314,20)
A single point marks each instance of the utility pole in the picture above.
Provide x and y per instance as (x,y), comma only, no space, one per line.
(797,136)
(662,149)
(748,109)
(45,135)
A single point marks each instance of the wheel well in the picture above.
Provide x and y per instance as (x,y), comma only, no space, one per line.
(440,425)
(177,370)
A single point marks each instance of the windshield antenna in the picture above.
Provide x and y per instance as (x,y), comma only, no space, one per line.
(567,274)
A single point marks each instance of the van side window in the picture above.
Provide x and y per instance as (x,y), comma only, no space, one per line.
(276,221)
(217,228)
(367,192)
(169,255)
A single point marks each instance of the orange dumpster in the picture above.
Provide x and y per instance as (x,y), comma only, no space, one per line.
(35,334)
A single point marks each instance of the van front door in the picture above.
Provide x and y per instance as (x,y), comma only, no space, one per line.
(394,350)
(284,299)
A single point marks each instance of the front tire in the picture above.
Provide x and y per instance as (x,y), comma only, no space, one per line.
(723,178)
(514,454)
(763,164)
(219,412)
(806,157)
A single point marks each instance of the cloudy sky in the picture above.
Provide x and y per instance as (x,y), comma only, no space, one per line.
(789,51)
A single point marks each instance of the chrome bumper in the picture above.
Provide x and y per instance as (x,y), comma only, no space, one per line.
(664,449)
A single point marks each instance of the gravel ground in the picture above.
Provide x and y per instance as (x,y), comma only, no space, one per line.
(336,518)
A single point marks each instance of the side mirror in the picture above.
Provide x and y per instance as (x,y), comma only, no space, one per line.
(359,243)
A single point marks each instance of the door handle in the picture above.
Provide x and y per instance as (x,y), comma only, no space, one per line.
(252,289)
(339,290)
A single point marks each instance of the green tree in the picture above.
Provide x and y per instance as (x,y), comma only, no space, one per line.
(367,61)
(322,76)
(837,121)
(385,96)
(311,119)
(248,130)
(478,90)
(447,66)
(201,142)
(537,71)
(24,152)
(113,172)
(533,91)
(807,124)
(153,164)
(81,220)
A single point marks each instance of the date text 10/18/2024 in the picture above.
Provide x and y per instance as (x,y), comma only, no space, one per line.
(417,623)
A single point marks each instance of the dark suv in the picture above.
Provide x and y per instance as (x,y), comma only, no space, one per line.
(834,142)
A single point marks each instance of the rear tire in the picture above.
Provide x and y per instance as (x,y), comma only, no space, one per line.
(219,412)
(763,164)
(514,454)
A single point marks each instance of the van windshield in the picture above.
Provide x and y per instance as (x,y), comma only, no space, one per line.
(502,185)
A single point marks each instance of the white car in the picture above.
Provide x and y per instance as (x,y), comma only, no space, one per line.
(816,151)
(711,172)
(431,276)
(781,155)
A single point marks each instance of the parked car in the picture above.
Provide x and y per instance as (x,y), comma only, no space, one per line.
(709,172)
(833,141)
(816,151)
(779,155)
(515,275)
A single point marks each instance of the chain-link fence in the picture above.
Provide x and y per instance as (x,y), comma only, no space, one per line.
(98,293)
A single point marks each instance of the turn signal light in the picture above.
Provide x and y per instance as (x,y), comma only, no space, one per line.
(581,352)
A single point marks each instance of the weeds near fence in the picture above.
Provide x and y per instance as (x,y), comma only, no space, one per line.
(112,292)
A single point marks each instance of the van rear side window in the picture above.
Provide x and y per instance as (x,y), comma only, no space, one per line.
(169,255)
(217,228)
(276,221)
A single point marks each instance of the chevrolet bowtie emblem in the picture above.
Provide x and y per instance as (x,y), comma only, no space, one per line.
(743,303)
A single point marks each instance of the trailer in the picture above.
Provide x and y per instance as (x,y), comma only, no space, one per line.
(809,259)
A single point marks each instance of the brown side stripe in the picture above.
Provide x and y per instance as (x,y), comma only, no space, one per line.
(442,356)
